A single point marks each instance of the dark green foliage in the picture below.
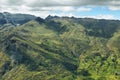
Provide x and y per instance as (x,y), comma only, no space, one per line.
(84,72)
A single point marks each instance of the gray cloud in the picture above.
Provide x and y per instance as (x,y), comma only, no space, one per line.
(46,6)
(14,2)
(39,3)
(35,5)
(48,3)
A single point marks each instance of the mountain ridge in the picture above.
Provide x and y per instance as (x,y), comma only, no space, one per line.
(15,19)
(60,48)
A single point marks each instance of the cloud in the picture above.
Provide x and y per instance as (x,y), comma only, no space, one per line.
(40,5)
(80,9)
(62,9)
(55,5)
(36,3)
(44,3)
(114,8)
(101,16)
(57,8)
(43,8)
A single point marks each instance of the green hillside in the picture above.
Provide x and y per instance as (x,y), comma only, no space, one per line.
(61,48)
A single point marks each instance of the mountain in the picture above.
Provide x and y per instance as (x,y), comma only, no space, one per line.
(61,48)
(15,19)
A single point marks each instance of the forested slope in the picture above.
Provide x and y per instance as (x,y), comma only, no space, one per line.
(60,48)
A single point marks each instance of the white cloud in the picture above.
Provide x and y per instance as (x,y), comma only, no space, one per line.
(114,8)
(62,9)
(80,9)
(101,16)
(45,11)
(55,8)
(63,14)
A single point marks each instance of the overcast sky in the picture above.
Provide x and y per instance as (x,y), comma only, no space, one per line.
(107,9)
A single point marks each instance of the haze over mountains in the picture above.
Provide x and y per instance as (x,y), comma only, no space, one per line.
(58,48)
(6,18)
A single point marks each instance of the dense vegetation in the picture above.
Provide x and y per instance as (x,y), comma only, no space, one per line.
(60,48)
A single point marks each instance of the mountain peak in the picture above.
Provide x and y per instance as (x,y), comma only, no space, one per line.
(40,20)
(49,17)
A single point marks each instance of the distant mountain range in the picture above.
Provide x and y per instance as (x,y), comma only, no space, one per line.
(15,19)
(58,48)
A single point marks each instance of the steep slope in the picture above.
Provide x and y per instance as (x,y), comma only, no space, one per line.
(61,48)
(35,53)
(99,51)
